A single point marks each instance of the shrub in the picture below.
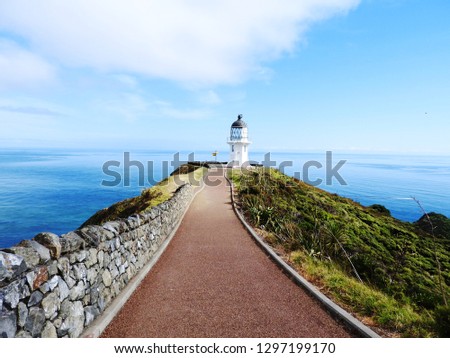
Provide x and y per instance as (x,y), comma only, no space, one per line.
(380,209)
(442,318)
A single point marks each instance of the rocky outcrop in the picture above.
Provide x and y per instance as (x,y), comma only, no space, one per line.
(54,286)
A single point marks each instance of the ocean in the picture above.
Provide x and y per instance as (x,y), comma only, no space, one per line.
(57,190)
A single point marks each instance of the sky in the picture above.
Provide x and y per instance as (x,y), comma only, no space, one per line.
(369,76)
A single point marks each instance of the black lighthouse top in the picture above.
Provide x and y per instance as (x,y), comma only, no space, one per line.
(239,123)
(238,129)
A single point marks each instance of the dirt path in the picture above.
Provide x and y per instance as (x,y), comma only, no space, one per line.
(213,281)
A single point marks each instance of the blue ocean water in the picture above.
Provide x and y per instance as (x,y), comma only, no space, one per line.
(389,180)
(57,190)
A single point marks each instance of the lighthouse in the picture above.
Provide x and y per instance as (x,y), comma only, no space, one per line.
(239,143)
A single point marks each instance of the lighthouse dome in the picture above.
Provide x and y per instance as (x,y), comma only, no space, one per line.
(239,123)
(238,130)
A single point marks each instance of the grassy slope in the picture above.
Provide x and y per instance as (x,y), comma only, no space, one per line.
(150,197)
(317,230)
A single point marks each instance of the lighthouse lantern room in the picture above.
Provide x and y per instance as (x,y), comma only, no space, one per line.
(239,143)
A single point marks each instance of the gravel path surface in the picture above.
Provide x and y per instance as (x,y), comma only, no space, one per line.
(214,281)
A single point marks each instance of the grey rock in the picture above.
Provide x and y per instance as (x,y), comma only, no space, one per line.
(92,234)
(64,266)
(71,242)
(112,226)
(131,271)
(70,281)
(100,257)
(52,268)
(15,292)
(35,321)
(78,256)
(37,277)
(125,279)
(49,331)
(58,321)
(107,295)
(81,255)
(132,222)
(107,279)
(64,312)
(53,282)
(106,259)
(8,324)
(115,288)
(79,271)
(114,272)
(73,324)
(92,257)
(154,213)
(23,334)
(123,227)
(104,246)
(43,252)
(122,269)
(51,242)
(72,258)
(63,289)
(77,292)
(91,275)
(11,266)
(50,304)
(90,313)
(118,261)
(35,298)
(22,314)
(45,287)
(29,254)
(101,304)
(94,293)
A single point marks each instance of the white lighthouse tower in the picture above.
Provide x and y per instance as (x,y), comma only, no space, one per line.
(239,143)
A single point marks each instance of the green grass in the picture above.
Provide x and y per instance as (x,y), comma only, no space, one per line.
(150,197)
(370,304)
(395,260)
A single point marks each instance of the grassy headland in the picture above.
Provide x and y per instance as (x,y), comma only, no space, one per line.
(149,197)
(380,268)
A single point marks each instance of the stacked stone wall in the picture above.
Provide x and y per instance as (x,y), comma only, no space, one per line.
(56,286)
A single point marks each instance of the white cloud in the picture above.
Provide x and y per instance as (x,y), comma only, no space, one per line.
(197,41)
(21,68)
(32,107)
(210,98)
(40,111)
(128,106)
(127,81)
(167,109)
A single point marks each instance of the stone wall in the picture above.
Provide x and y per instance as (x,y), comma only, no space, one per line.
(54,286)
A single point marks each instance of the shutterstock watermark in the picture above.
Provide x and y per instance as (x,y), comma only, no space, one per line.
(330,170)
(120,173)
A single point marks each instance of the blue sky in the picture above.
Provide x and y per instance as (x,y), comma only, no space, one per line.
(312,75)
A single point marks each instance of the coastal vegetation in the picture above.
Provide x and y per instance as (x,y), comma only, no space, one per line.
(393,275)
(150,197)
